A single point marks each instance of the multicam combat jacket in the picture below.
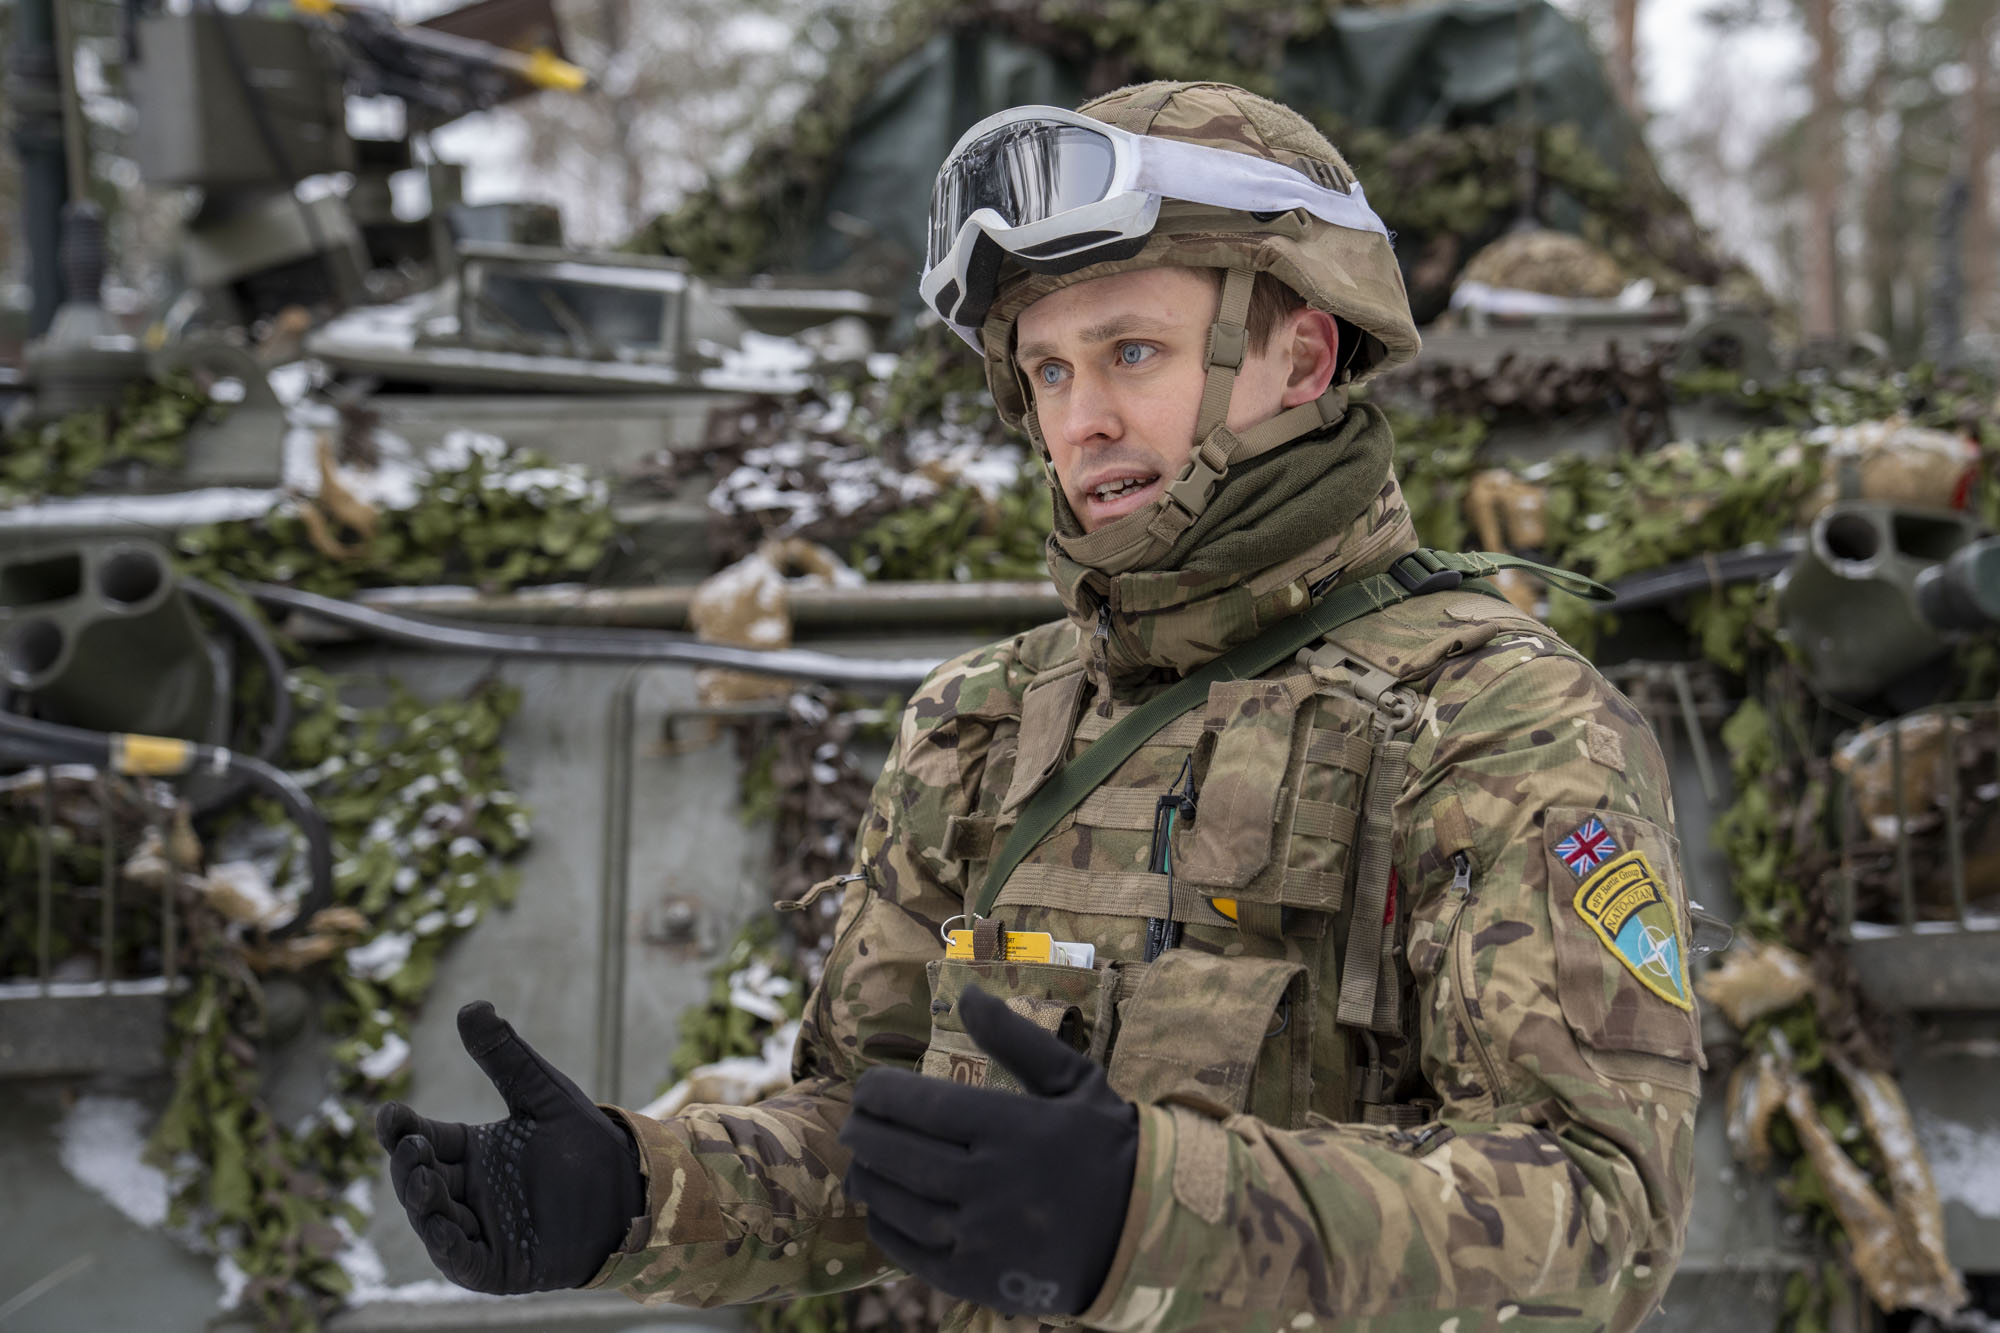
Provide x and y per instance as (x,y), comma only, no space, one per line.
(1498,1131)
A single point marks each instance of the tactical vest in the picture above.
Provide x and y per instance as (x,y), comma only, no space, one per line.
(1290,993)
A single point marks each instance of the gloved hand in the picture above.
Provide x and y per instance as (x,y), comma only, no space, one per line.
(1011,1202)
(535,1202)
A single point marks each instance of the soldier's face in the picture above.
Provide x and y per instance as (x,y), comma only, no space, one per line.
(1117,365)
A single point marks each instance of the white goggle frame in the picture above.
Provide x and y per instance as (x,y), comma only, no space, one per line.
(960,283)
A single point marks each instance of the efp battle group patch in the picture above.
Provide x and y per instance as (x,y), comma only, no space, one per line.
(1622,902)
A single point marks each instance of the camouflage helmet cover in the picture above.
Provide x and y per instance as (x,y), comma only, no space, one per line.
(1347,273)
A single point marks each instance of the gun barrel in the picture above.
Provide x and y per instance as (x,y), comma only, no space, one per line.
(1962,593)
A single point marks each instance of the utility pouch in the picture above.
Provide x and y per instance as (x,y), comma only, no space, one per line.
(1072,1003)
(1219,1034)
(1249,733)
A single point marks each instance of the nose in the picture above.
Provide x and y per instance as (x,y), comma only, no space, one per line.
(1090,413)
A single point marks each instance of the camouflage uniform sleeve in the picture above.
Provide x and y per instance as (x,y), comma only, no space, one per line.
(1552,1192)
(745,1203)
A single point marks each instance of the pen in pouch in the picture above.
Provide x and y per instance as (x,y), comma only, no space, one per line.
(1177,804)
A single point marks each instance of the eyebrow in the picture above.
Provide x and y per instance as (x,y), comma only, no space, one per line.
(1120,327)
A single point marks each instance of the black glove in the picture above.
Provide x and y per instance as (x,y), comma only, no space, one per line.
(1015,1203)
(535,1202)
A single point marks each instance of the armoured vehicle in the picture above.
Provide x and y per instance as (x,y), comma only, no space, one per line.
(521,413)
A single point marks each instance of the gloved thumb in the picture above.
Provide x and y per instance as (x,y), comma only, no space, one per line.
(528,1084)
(1046,1065)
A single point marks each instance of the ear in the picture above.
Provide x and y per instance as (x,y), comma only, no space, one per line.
(1312,343)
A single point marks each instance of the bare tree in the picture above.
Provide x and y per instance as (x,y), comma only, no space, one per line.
(1625,54)
(1819,296)
(1977,118)
(680,90)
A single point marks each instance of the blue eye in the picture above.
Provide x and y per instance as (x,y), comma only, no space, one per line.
(1132,354)
(1051,374)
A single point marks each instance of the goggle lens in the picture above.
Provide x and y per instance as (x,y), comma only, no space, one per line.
(1024,172)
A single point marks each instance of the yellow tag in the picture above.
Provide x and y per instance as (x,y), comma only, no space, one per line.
(546,69)
(151,755)
(1224,907)
(1627,910)
(1023,946)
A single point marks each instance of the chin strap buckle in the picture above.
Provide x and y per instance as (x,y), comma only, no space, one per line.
(1190,493)
(1421,572)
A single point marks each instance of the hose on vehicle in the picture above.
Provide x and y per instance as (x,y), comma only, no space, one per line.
(26,740)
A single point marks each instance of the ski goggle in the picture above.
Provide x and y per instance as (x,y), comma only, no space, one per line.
(1054,191)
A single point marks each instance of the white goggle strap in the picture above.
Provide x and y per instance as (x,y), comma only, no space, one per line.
(1225,179)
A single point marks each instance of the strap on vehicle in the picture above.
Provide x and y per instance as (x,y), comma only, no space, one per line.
(1414,575)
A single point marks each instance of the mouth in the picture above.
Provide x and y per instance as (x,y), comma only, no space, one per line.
(1114,497)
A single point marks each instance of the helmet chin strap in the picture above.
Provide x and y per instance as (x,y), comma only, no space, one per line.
(1142,537)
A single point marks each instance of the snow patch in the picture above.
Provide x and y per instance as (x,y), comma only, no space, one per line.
(756,990)
(1965,1162)
(382,957)
(103,1142)
(383,1062)
(217,504)
(737,1081)
(242,891)
(233,1279)
(763,356)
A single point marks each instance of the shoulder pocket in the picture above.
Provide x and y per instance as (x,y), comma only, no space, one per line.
(1619,916)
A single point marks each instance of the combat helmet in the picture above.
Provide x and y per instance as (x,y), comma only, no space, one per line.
(1198,175)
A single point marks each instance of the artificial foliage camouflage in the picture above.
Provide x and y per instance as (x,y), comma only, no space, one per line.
(1445,189)
(760,214)
(1522,390)
(421,819)
(907,475)
(1446,192)
(134,440)
(485,513)
(1787,856)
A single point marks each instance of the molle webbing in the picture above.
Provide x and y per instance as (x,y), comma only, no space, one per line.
(1365,1001)
(1420,572)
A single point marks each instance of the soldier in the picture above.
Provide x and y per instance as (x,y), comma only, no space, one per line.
(1345,986)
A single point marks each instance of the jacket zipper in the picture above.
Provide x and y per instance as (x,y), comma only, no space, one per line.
(1462,978)
(823,995)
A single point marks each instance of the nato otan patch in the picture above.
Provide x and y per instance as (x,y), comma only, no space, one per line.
(1626,908)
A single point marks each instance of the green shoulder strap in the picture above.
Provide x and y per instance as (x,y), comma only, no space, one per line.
(1420,572)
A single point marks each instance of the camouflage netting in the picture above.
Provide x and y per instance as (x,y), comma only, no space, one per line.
(481,512)
(130,442)
(421,820)
(1442,173)
(1554,263)
(908,477)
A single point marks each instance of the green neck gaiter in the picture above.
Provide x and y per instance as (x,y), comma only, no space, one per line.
(1272,508)
(1266,512)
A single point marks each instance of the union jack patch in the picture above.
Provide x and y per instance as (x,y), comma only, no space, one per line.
(1587,848)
